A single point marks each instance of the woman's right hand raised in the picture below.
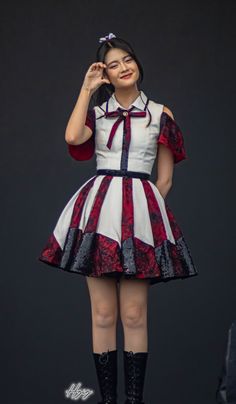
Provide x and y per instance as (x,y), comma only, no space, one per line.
(94,77)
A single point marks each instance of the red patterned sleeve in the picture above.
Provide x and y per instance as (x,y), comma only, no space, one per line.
(171,136)
(85,151)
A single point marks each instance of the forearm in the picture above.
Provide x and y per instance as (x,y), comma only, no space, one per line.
(163,187)
(77,119)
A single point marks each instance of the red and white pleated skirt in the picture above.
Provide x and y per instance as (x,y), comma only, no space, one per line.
(117,226)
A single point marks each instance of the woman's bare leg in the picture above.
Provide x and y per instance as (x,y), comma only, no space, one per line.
(104,309)
(133,297)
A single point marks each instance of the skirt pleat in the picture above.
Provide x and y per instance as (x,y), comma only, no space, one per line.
(117,226)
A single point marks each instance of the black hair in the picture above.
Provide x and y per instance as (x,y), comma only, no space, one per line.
(104,92)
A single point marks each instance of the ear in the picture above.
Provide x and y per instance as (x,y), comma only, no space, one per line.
(105,76)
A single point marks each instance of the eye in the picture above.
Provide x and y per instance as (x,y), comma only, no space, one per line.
(129,59)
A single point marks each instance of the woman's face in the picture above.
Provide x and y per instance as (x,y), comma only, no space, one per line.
(118,64)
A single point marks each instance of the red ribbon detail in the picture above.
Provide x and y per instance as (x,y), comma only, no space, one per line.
(123,115)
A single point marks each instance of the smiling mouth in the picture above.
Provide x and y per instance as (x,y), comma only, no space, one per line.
(126,76)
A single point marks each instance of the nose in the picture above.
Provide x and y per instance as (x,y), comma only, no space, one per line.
(123,66)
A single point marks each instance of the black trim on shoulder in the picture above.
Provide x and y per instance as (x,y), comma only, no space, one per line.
(146,104)
(103,111)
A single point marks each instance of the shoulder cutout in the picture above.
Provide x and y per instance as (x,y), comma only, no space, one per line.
(168,111)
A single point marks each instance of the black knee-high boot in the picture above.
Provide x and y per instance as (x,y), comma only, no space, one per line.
(106,368)
(134,370)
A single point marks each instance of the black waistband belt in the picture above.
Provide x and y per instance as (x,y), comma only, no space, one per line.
(121,173)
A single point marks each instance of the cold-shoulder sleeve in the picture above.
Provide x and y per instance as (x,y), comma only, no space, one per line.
(171,136)
(85,151)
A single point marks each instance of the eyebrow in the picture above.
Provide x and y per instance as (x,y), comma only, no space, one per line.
(117,60)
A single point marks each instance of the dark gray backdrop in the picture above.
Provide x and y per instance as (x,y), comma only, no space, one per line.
(187,50)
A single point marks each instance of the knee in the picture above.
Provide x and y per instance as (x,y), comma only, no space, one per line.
(104,316)
(134,316)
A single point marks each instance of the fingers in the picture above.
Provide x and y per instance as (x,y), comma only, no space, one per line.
(97,66)
(105,81)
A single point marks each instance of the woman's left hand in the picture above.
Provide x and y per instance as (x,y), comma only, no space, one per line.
(163,188)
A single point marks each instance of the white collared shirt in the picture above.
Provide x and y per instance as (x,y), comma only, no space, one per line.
(143,144)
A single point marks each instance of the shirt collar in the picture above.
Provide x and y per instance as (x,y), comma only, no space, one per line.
(138,103)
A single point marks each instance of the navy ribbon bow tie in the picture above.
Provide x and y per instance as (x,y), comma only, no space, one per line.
(123,115)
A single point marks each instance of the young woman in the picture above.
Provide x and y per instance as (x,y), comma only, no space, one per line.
(117,229)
